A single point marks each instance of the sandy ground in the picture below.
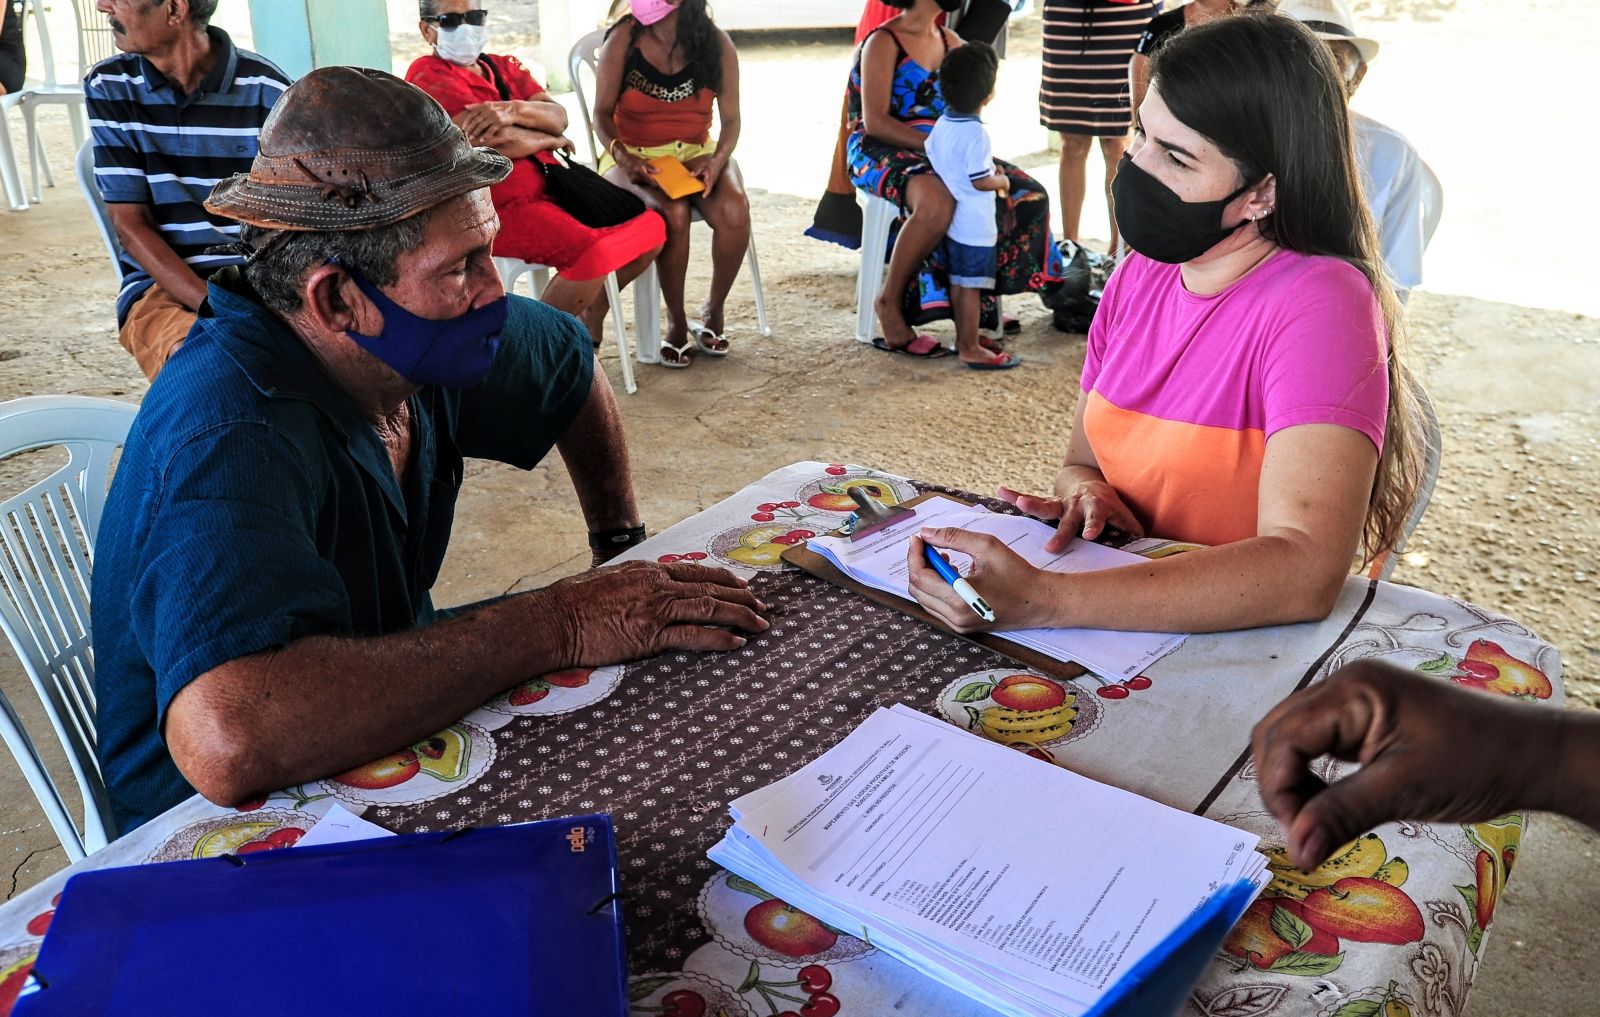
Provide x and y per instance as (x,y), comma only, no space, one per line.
(1504,333)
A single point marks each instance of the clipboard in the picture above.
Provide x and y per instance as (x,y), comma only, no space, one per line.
(807,560)
(674,178)
(502,920)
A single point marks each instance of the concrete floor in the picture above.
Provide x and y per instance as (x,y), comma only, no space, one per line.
(1514,370)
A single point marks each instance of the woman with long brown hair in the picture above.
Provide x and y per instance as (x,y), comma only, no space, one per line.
(1245,384)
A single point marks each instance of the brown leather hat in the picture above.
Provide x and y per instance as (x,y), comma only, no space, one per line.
(350,148)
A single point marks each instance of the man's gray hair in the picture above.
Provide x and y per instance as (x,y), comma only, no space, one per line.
(427,8)
(279,270)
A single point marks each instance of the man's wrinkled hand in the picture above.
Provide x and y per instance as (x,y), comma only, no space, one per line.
(639,609)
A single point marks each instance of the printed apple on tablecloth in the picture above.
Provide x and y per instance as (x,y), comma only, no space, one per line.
(550,695)
(236,833)
(1303,919)
(451,759)
(1489,668)
(16,963)
(831,493)
(1028,712)
(757,926)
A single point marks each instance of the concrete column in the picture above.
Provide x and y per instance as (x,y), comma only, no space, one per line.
(299,35)
(562,23)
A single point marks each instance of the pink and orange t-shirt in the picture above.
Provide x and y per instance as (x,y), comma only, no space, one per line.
(1184,391)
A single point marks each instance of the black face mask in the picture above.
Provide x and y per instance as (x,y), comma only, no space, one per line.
(1162,226)
(950,6)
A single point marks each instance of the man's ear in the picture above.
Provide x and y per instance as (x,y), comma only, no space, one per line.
(430,32)
(332,302)
(1355,82)
(177,12)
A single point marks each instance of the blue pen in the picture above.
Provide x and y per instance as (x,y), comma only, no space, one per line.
(963,588)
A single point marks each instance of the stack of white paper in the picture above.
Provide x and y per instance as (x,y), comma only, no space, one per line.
(1017,883)
(879,561)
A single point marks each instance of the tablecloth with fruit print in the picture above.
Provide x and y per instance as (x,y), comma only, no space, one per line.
(1392,925)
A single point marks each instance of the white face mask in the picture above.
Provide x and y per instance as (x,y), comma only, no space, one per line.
(462,45)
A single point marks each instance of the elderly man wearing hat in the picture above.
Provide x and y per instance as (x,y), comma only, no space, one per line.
(284,500)
(1396,178)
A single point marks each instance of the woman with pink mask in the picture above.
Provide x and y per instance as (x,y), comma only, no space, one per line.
(499,105)
(662,68)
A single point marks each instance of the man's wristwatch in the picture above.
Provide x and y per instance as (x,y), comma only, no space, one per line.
(607,544)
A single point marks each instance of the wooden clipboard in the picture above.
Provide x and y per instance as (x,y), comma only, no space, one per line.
(807,560)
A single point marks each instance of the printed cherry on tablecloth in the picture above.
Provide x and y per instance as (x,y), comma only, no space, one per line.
(440,765)
(683,994)
(1026,711)
(754,924)
(238,833)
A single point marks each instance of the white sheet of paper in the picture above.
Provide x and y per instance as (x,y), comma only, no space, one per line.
(879,561)
(1004,877)
(339,825)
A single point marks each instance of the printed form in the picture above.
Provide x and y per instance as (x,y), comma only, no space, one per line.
(879,561)
(990,870)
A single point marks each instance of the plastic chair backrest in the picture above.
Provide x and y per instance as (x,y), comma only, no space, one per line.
(1432,457)
(586,54)
(84,168)
(96,41)
(41,25)
(47,535)
(1432,203)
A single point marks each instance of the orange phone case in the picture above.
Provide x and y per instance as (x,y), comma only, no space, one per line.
(674,178)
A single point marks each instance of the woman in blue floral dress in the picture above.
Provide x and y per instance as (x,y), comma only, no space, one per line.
(894,100)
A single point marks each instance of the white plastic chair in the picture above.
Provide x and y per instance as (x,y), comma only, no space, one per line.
(47,535)
(877,218)
(1432,456)
(647,288)
(511,269)
(51,92)
(83,168)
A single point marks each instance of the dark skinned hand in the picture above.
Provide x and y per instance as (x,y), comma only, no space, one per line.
(1429,751)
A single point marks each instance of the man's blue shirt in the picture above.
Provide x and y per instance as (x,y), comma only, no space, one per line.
(254,505)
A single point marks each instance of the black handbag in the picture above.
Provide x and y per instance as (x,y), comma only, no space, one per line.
(584,194)
(1075,296)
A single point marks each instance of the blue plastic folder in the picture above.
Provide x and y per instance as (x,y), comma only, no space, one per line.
(504,920)
(1159,984)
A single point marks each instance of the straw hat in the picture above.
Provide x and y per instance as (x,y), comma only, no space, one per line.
(1331,20)
(350,148)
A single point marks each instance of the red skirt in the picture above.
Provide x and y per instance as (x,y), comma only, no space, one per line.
(533,228)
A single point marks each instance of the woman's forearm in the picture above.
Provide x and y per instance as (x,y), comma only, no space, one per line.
(890,131)
(727,137)
(1267,580)
(541,115)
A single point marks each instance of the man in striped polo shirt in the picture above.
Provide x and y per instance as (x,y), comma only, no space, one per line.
(178,110)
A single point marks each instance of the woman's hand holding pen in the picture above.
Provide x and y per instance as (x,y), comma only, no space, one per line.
(1020,595)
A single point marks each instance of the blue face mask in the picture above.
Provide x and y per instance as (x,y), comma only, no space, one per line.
(452,352)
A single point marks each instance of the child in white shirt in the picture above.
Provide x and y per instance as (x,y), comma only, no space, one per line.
(958,148)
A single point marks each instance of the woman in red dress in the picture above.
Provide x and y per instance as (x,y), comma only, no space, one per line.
(499,105)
